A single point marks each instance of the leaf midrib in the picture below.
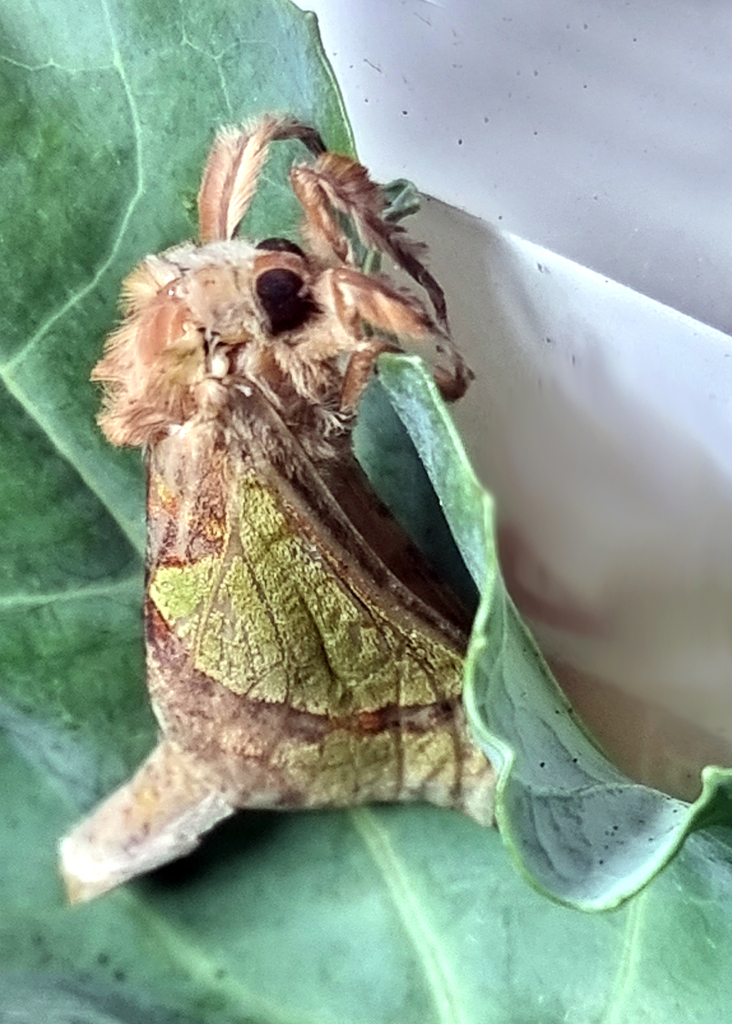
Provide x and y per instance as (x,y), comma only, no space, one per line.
(8,369)
(106,588)
(437,970)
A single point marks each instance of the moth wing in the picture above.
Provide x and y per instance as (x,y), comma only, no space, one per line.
(278,593)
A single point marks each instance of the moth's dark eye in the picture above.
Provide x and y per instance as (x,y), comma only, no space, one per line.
(280,245)
(279,292)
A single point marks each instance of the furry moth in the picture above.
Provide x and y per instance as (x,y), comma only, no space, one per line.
(300,652)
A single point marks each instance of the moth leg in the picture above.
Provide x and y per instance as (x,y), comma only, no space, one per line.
(336,185)
(353,299)
(359,371)
(322,189)
(453,383)
(233,167)
(156,817)
(360,368)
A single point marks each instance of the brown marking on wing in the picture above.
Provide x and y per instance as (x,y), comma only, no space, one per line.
(184,524)
(392,545)
(267,754)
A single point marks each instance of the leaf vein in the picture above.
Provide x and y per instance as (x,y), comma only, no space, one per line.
(77,296)
(202,964)
(436,967)
(617,1008)
(130,529)
(106,589)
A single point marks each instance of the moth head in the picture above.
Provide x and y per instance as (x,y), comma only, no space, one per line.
(195,312)
(269,312)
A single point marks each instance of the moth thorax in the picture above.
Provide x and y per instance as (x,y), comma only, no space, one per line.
(211,396)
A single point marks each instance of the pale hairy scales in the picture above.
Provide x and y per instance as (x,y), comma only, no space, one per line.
(270,619)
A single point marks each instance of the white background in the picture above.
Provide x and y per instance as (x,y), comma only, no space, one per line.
(601,130)
(601,420)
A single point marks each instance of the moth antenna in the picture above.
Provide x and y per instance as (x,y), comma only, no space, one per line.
(233,167)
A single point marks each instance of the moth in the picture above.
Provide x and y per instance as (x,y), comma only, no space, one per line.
(300,651)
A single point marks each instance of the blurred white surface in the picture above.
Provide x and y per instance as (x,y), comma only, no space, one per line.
(602,422)
(600,419)
(601,131)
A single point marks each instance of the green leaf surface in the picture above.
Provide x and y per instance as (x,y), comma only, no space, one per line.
(380,915)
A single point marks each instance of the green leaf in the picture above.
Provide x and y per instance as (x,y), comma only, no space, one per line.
(109,112)
(583,832)
(378,915)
